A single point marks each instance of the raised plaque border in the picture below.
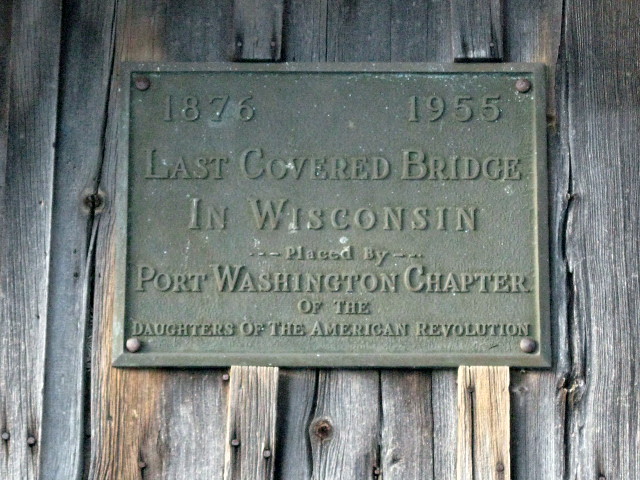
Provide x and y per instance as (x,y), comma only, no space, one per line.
(541,358)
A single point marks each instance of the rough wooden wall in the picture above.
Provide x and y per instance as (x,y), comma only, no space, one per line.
(66,414)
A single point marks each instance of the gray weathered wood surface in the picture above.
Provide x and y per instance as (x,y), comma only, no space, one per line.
(59,69)
(250,442)
(476,30)
(86,59)
(29,86)
(257,30)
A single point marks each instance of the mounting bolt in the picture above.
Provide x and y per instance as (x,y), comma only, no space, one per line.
(142,83)
(225,377)
(93,201)
(31,440)
(6,436)
(500,467)
(523,85)
(528,345)
(266,453)
(235,442)
(133,344)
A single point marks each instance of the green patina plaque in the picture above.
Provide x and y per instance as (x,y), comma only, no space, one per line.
(332,215)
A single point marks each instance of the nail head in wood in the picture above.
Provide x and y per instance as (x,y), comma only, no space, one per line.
(133,345)
(142,465)
(235,442)
(93,201)
(6,436)
(523,85)
(225,377)
(266,453)
(528,345)
(31,441)
(142,83)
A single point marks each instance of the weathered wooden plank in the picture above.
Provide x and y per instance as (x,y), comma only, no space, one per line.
(342,437)
(476,30)
(538,398)
(483,423)
(251,423)
(86,59)
(305,31)
(140,418)
(358,31)
(25,225)
(345,426)
(297,396)
(6,9)
(603,238)
(417,30)
(407,425)
(445,423)
(257,26)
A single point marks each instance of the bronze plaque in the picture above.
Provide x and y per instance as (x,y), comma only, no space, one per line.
(332,215)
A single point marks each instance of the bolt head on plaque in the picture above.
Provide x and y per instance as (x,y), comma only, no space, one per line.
(528,345)
(142,82)
(523,85)
(133,345)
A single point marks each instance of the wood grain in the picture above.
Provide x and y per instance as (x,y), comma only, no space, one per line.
(6,9)
(417,33)
(345,425)
(358,31)
(28,129)
(476,28)
(86,59)
(250,444)
(538,398)
(335,431)
(150,424)
(483,423)
(578,420)
(257,29)
(296,404)
(407,425)
(603,238)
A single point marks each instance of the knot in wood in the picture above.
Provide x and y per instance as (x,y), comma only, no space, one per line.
(323,429)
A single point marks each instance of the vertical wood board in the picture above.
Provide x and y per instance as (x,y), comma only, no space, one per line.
(250,444)
(603,238)
(29,103)
(140,418)
(86,60)
(483,423)
(257,26)
(476,27)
